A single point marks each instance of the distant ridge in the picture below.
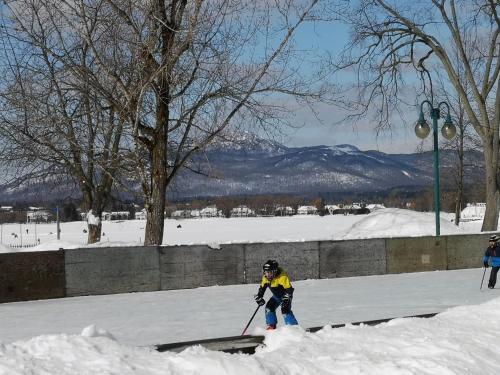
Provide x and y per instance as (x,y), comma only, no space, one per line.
(253,166)
(249,165)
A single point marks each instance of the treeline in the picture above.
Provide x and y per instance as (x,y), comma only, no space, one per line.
(409,198)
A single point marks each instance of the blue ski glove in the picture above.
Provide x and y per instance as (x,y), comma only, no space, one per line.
(259,300)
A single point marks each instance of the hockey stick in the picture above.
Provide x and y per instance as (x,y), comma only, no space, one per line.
(250,321)
(482,279)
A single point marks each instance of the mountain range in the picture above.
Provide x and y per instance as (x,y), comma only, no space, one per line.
(255,166)
(250,165)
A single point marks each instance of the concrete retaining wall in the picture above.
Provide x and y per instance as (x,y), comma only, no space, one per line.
(31,275)
(413,254)
(194,266)
(299,259)
(352,258)
(90,271)
(112,270)
(466,251)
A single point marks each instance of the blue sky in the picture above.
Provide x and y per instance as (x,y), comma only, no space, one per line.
(307,130)
(332,37)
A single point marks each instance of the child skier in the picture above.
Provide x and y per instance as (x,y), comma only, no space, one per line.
(492,251)
(277,280)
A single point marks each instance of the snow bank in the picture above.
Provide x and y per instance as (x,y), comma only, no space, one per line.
(395,222)
(462,340)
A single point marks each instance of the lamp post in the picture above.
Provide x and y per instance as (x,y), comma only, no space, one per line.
(448,131)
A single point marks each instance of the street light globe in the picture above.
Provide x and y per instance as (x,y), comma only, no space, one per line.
(448,130)
(422,129)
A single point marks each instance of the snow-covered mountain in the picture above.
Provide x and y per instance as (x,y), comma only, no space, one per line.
(248,165)
(263,167)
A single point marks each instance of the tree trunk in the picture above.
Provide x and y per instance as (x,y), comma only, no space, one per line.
(94,232)
(156,203)
(94,226)
(490,222)
(458,206)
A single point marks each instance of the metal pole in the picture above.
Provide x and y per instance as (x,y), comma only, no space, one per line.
(437,200)
(57,218)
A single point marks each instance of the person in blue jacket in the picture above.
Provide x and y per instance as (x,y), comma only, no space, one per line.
(493,253)
(276,279)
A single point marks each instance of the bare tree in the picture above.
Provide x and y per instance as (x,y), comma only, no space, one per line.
(52,125)
(186,71)
(465,140)
(390,36)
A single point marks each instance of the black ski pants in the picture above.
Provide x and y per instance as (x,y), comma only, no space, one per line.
(273,304)
(493,277)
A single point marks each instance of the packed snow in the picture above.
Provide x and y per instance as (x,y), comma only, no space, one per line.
(114,334)
(105,334)
(463,340)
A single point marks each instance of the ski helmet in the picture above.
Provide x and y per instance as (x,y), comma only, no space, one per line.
(494,238)
(270,265)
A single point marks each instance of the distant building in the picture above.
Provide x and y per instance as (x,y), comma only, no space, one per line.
(375,206)
(307,210)
(358,209)
(473,211)
(140,215)
(355,206)
(349,209)
(6,208)
(211,211)
(115,215)
(181,214)
(37,214)
(195,213)
(242,211)
(284,211)
(333,209)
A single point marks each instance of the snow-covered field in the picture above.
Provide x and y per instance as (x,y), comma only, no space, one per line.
(390,222)
(110,334)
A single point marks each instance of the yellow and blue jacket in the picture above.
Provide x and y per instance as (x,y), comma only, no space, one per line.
(279,285)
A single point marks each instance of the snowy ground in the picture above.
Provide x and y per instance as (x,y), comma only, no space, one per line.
(110,334)
(390,222)
(464,340)
(190,314)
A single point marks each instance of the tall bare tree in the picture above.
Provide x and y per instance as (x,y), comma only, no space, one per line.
(187,70)
(465,140)
(53,124)
(389,36)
